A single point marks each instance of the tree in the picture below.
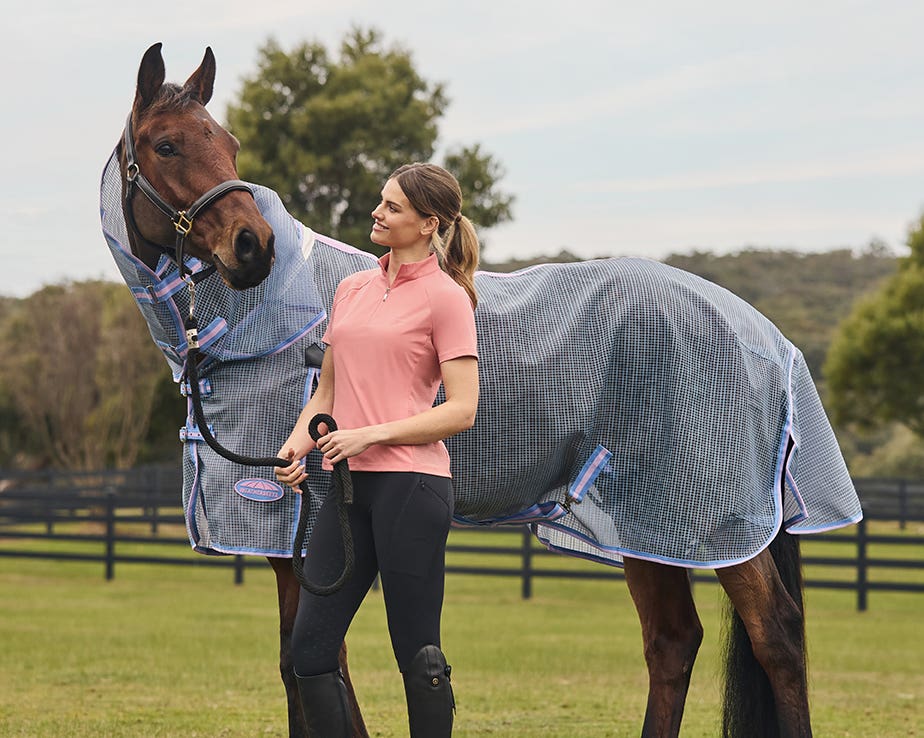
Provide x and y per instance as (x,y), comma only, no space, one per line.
(80,371)
(326,132)
(478,175)
(876,361)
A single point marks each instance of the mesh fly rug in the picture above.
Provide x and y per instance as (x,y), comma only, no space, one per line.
(627,407)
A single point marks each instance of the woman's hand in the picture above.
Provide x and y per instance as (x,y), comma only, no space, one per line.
(294,474)
(342,444)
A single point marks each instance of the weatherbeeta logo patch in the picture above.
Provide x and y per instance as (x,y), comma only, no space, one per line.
(259,490)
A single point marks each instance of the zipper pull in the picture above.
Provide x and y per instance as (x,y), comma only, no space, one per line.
(385,296)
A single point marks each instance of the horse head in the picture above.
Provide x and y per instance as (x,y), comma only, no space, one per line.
(185,164)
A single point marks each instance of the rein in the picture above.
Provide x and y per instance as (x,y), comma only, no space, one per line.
(183,221)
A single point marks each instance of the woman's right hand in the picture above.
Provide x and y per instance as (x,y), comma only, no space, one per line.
(293,474)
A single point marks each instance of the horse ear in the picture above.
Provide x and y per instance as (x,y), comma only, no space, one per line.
(202,81)
(150,76)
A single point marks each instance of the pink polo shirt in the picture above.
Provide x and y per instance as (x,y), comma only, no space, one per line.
(388,345)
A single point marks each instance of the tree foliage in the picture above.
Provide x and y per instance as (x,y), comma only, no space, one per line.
(79,371)
(325,132)
(876,363)
(478,174)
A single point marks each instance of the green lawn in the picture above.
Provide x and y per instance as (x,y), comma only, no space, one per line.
(170,651)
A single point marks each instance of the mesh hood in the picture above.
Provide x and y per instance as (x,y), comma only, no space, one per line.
(234,324)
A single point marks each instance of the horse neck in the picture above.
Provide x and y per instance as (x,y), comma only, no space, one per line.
(331,263)
(140,248)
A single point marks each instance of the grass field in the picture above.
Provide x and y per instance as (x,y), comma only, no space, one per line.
(169,651)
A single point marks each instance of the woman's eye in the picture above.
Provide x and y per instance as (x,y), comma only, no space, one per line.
(165,149)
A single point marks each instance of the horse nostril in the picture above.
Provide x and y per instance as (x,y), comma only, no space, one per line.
(246,246)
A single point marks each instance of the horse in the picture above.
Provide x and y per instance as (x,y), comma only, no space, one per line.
(175,152)
(630,413)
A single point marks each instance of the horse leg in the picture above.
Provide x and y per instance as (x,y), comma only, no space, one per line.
(775,626)
(671,633)
(287,587)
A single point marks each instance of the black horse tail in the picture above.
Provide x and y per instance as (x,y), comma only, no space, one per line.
(750,708)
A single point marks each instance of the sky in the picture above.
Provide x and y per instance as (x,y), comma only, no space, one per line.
(623,128)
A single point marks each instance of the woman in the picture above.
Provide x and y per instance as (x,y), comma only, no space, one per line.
(394,334)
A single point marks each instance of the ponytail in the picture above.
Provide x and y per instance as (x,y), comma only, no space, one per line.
(458,254)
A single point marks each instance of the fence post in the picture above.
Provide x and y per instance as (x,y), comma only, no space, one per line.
(238,569)
(150,492)
(902,503)
(527,590)
(110,534)
(861,565)
(154,521)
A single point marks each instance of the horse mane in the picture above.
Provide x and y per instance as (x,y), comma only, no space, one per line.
(171,97)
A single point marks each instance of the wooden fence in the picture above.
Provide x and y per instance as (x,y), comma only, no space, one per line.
(97,516)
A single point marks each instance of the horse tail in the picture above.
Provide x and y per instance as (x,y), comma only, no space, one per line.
(749,706)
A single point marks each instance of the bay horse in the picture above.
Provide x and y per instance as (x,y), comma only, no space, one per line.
(178,148)
(650,419)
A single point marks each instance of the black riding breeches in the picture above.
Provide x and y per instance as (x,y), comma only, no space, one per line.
(400,521)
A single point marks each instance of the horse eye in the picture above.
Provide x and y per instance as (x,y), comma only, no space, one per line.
(165,149)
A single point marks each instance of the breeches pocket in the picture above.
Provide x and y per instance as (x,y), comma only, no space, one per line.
(421,524)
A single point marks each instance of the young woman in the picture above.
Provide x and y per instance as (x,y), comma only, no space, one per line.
(395,334)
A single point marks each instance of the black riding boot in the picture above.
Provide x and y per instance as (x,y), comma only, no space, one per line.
(430,703)
(325,705)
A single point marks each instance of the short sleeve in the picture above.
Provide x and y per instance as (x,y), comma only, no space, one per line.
(453,325)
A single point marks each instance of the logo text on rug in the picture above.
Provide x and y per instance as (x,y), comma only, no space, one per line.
(259,490)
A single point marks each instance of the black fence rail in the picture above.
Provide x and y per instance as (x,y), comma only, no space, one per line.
(97,515)
(94,512)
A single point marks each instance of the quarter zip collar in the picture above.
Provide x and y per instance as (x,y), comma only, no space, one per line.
(407,272)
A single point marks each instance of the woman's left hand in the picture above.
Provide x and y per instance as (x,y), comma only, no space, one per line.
(342,444)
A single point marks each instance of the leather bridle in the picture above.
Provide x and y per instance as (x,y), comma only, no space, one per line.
(182,219)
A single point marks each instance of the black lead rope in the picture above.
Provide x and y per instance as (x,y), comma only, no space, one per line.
(342,489)
(342,483)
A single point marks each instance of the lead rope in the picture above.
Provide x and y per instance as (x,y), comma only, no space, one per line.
(342,489)
(341,481)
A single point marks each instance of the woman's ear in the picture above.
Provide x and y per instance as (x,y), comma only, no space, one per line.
(429,226)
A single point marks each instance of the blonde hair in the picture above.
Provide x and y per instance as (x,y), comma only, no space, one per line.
(432,191)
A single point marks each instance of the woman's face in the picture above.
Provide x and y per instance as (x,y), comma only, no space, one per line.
(396,224)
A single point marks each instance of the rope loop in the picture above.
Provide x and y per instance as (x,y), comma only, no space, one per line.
(314,424)
(342,490)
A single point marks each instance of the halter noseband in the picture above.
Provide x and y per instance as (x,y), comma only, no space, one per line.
(182,219)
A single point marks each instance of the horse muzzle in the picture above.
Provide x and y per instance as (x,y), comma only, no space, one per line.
(252,260)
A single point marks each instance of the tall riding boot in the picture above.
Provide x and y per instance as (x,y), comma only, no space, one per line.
(430,704)
(325,705)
